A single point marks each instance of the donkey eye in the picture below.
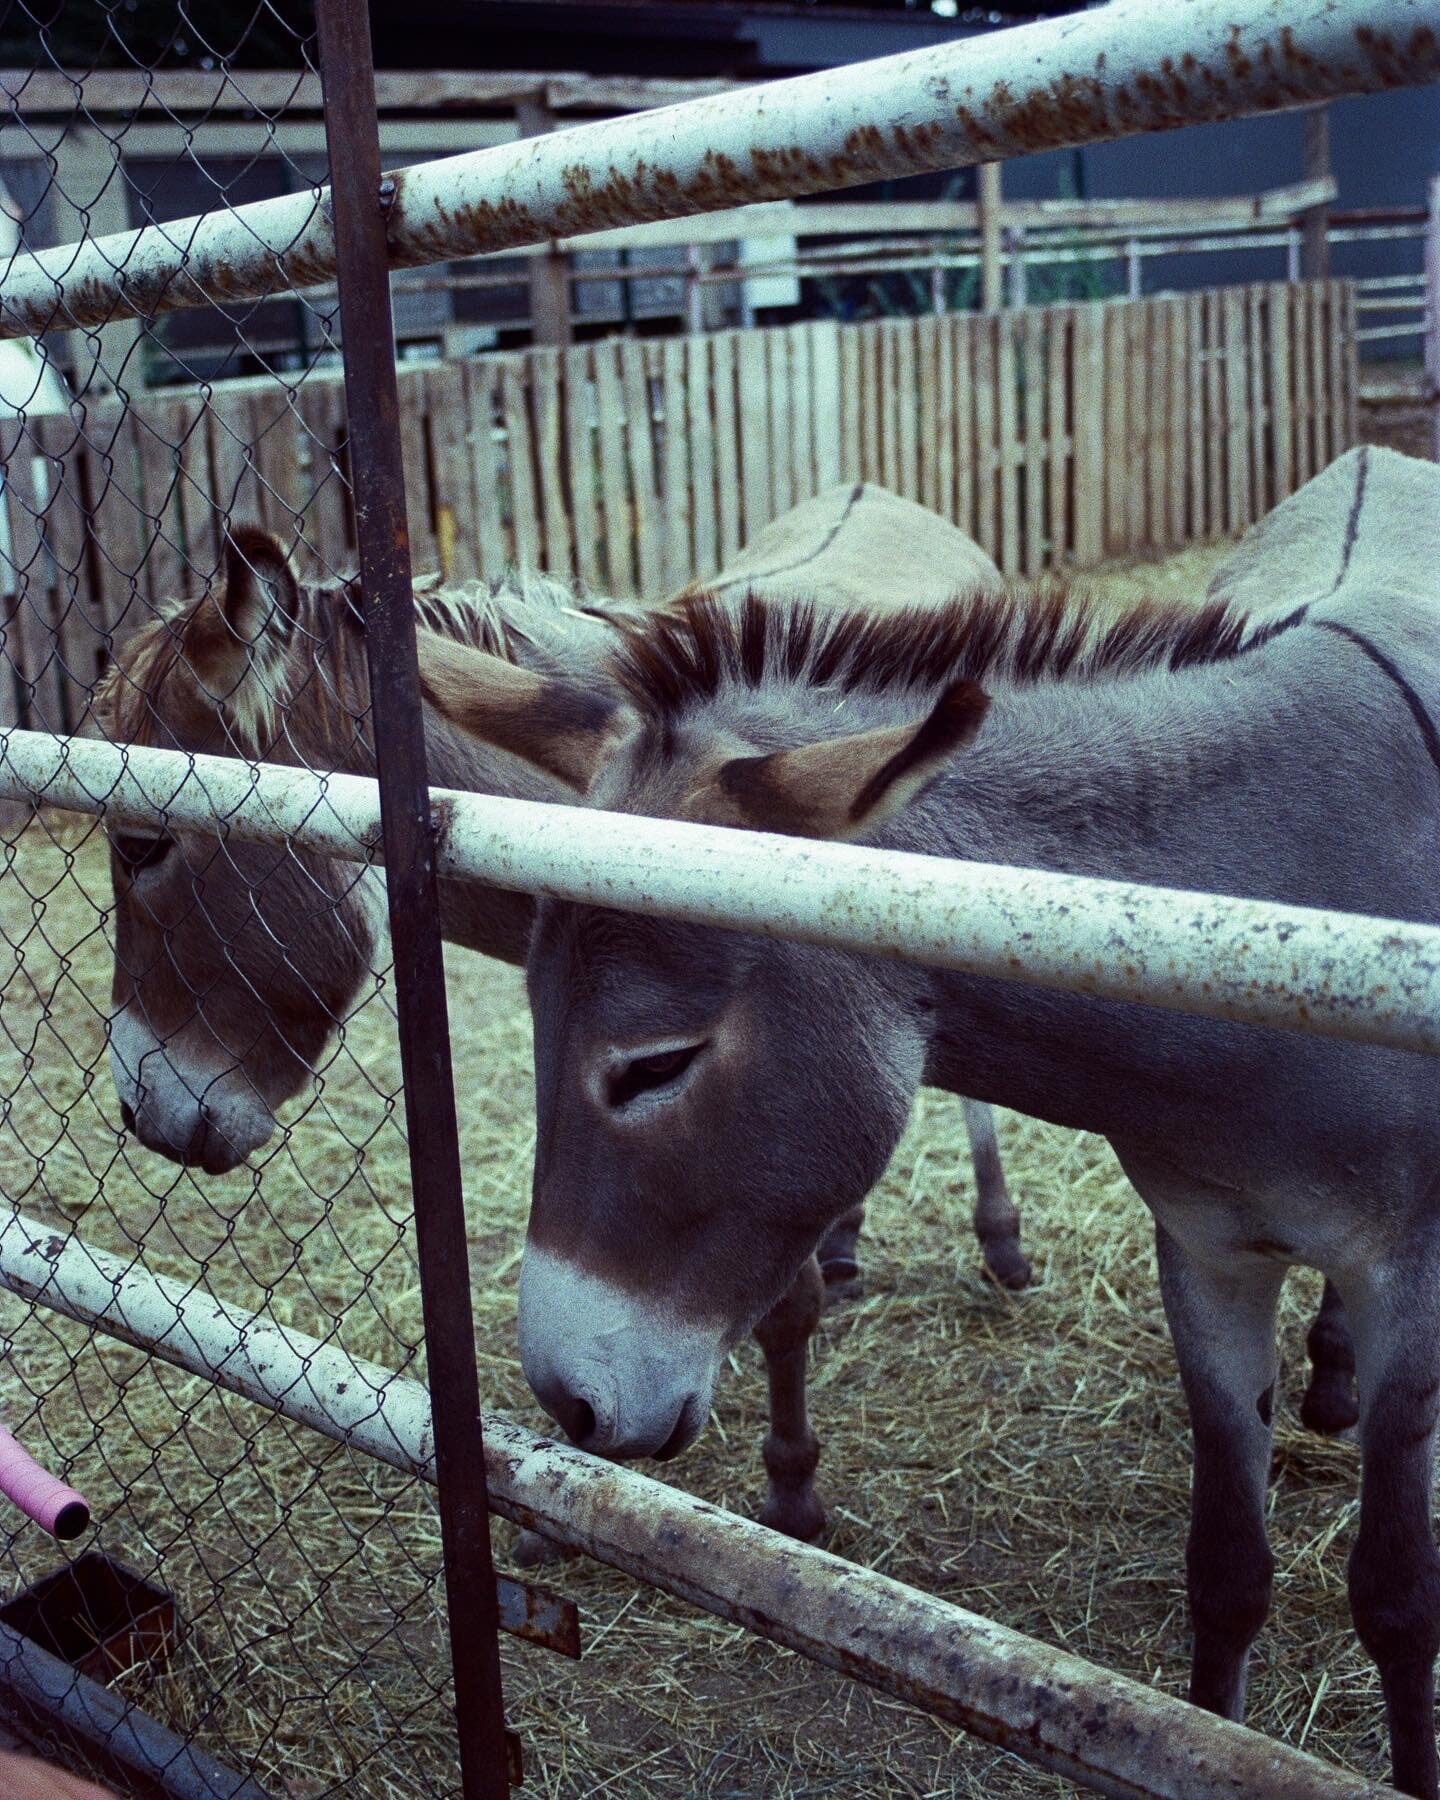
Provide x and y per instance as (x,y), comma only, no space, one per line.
(650,1074)
(141,852)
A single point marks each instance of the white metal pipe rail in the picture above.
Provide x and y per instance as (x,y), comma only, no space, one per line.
(1110,72)
(1036,252)
(1111,1734)
(1341,975)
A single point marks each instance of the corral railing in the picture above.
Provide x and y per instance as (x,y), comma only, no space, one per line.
(1055,436)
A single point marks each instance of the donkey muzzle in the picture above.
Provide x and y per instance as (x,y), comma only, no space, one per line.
(618,1372)
(197,1116)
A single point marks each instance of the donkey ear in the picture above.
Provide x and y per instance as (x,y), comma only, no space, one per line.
(257,599)
(841,788)
(261,593)
(564,730)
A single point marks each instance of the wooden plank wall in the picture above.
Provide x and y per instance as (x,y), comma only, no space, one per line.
(1055,436)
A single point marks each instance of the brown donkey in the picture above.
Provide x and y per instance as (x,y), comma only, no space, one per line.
(708,1101)
(235,965)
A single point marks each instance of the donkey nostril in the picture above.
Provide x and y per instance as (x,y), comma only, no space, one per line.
(582,1400)
(577,1420)
(127,1115)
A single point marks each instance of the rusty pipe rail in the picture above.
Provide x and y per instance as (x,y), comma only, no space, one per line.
(1374,981)
(1086,78)
(1105,1731)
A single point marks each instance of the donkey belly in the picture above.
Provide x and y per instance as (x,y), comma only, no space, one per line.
(1334,1166)
(1242,1213)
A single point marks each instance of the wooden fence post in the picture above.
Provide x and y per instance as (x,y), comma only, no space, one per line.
(90,196)
(991,298)
(1093,431)
(1315,220)
(1015,266)
(697,261)
(550,273)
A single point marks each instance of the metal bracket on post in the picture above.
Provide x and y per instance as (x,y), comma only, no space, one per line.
(488,1754)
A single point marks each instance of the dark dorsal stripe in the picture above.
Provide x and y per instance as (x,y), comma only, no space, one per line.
(810,555)
(1407,693)
(1352,522)
(1358,638)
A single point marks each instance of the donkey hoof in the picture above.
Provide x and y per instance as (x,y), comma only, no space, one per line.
(1330,1406)
(802,1518)
(1007,1266)
(843,1280)
(533,1551)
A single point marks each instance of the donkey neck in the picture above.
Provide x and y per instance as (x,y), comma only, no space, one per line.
(1132,777)
(1218,778)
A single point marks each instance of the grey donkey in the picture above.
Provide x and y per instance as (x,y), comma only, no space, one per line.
(710,1102)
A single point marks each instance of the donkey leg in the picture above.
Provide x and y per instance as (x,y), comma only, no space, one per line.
(1330,1405)
(792,1450)
(838,1262)
(1394,1565)
(997,1223)
(1223,1324)
(533,1550)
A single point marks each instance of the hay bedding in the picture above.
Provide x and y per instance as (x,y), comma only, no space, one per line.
(1024,1456)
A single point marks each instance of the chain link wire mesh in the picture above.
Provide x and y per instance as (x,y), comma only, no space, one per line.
(173,993)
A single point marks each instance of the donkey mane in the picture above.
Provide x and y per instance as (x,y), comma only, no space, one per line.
(315,660)
(1046,631)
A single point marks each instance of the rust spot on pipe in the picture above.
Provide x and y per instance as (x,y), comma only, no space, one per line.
(1293,53)
(470,228)
(1397,64)
(1067,109)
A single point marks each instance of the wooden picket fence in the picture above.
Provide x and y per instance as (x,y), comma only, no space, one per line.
(1054,436)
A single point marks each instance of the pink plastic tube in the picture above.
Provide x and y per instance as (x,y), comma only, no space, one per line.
(39,1495)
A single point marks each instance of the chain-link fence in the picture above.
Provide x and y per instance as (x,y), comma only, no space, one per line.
(198,1060)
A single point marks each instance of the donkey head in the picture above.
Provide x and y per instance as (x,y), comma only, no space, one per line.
(233,962)
(708,1102)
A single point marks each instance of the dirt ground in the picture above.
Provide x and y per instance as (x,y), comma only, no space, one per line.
(1023,1456)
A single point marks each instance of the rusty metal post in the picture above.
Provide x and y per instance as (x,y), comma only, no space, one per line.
(991,292)
(1337,974)
(1106,1732)
(372,399)
(1088,77)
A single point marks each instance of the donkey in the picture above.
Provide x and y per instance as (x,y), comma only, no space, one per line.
(863,548)
(708,1102)
(235,964)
